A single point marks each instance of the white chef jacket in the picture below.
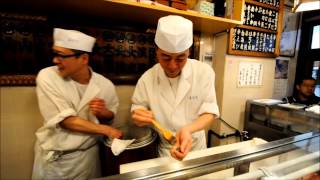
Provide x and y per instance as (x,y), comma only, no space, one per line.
(195,96)
(58,99)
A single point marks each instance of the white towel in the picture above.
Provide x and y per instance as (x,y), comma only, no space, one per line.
(315,109)
(119,145)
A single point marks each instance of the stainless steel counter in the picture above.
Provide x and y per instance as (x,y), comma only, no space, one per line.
(238,159)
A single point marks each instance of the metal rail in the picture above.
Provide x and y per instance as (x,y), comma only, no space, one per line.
(310,160)
(213,163)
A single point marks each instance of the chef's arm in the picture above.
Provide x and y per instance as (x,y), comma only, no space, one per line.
(75,123)
(100,110)
(200,123)
(105,116)
(142,117)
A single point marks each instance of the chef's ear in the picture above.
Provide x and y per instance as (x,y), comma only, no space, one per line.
(298,87)
(85,58)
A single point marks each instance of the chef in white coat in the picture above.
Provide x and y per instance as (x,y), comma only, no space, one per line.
(76,104)
(177,92)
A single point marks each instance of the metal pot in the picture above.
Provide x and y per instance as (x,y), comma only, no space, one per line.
(144,147)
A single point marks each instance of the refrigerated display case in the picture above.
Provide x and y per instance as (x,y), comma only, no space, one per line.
(276,121)
(292,157)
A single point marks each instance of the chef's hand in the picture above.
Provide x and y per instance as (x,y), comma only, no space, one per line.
(142,117)
(113,132)
(183,144)
(97,106)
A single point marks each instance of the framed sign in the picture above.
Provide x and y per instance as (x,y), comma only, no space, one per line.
(259,34)
(289,32)
(275,3)
(253,41)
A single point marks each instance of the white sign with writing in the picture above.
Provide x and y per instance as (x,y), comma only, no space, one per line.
(250,74)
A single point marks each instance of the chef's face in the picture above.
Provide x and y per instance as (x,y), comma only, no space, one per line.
(69,63)
(172,63)
(306,88)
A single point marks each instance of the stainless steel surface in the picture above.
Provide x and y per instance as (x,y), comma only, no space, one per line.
(213,163)
(287,167)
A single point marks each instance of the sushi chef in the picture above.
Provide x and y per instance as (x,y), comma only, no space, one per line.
(177,92)
(76,104)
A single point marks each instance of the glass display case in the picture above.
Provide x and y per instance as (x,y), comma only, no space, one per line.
(288,158)
(275,121)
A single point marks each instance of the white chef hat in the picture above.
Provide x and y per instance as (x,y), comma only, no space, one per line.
(73,39)
(174,34)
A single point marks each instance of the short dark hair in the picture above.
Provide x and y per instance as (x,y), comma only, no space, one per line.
(300,80)
(79,51)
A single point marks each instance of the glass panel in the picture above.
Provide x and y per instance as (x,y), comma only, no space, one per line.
(288,165)
(315,44)
(282,158)
(316,75)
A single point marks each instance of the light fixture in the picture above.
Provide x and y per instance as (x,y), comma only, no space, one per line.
(306,5)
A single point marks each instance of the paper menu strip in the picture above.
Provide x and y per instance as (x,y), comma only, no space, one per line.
(250,74)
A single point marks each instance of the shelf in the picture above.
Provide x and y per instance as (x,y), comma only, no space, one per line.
(257,29)
(145,13)
(126,12)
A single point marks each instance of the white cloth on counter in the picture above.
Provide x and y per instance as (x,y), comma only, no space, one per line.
(119,145)
(315,109)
